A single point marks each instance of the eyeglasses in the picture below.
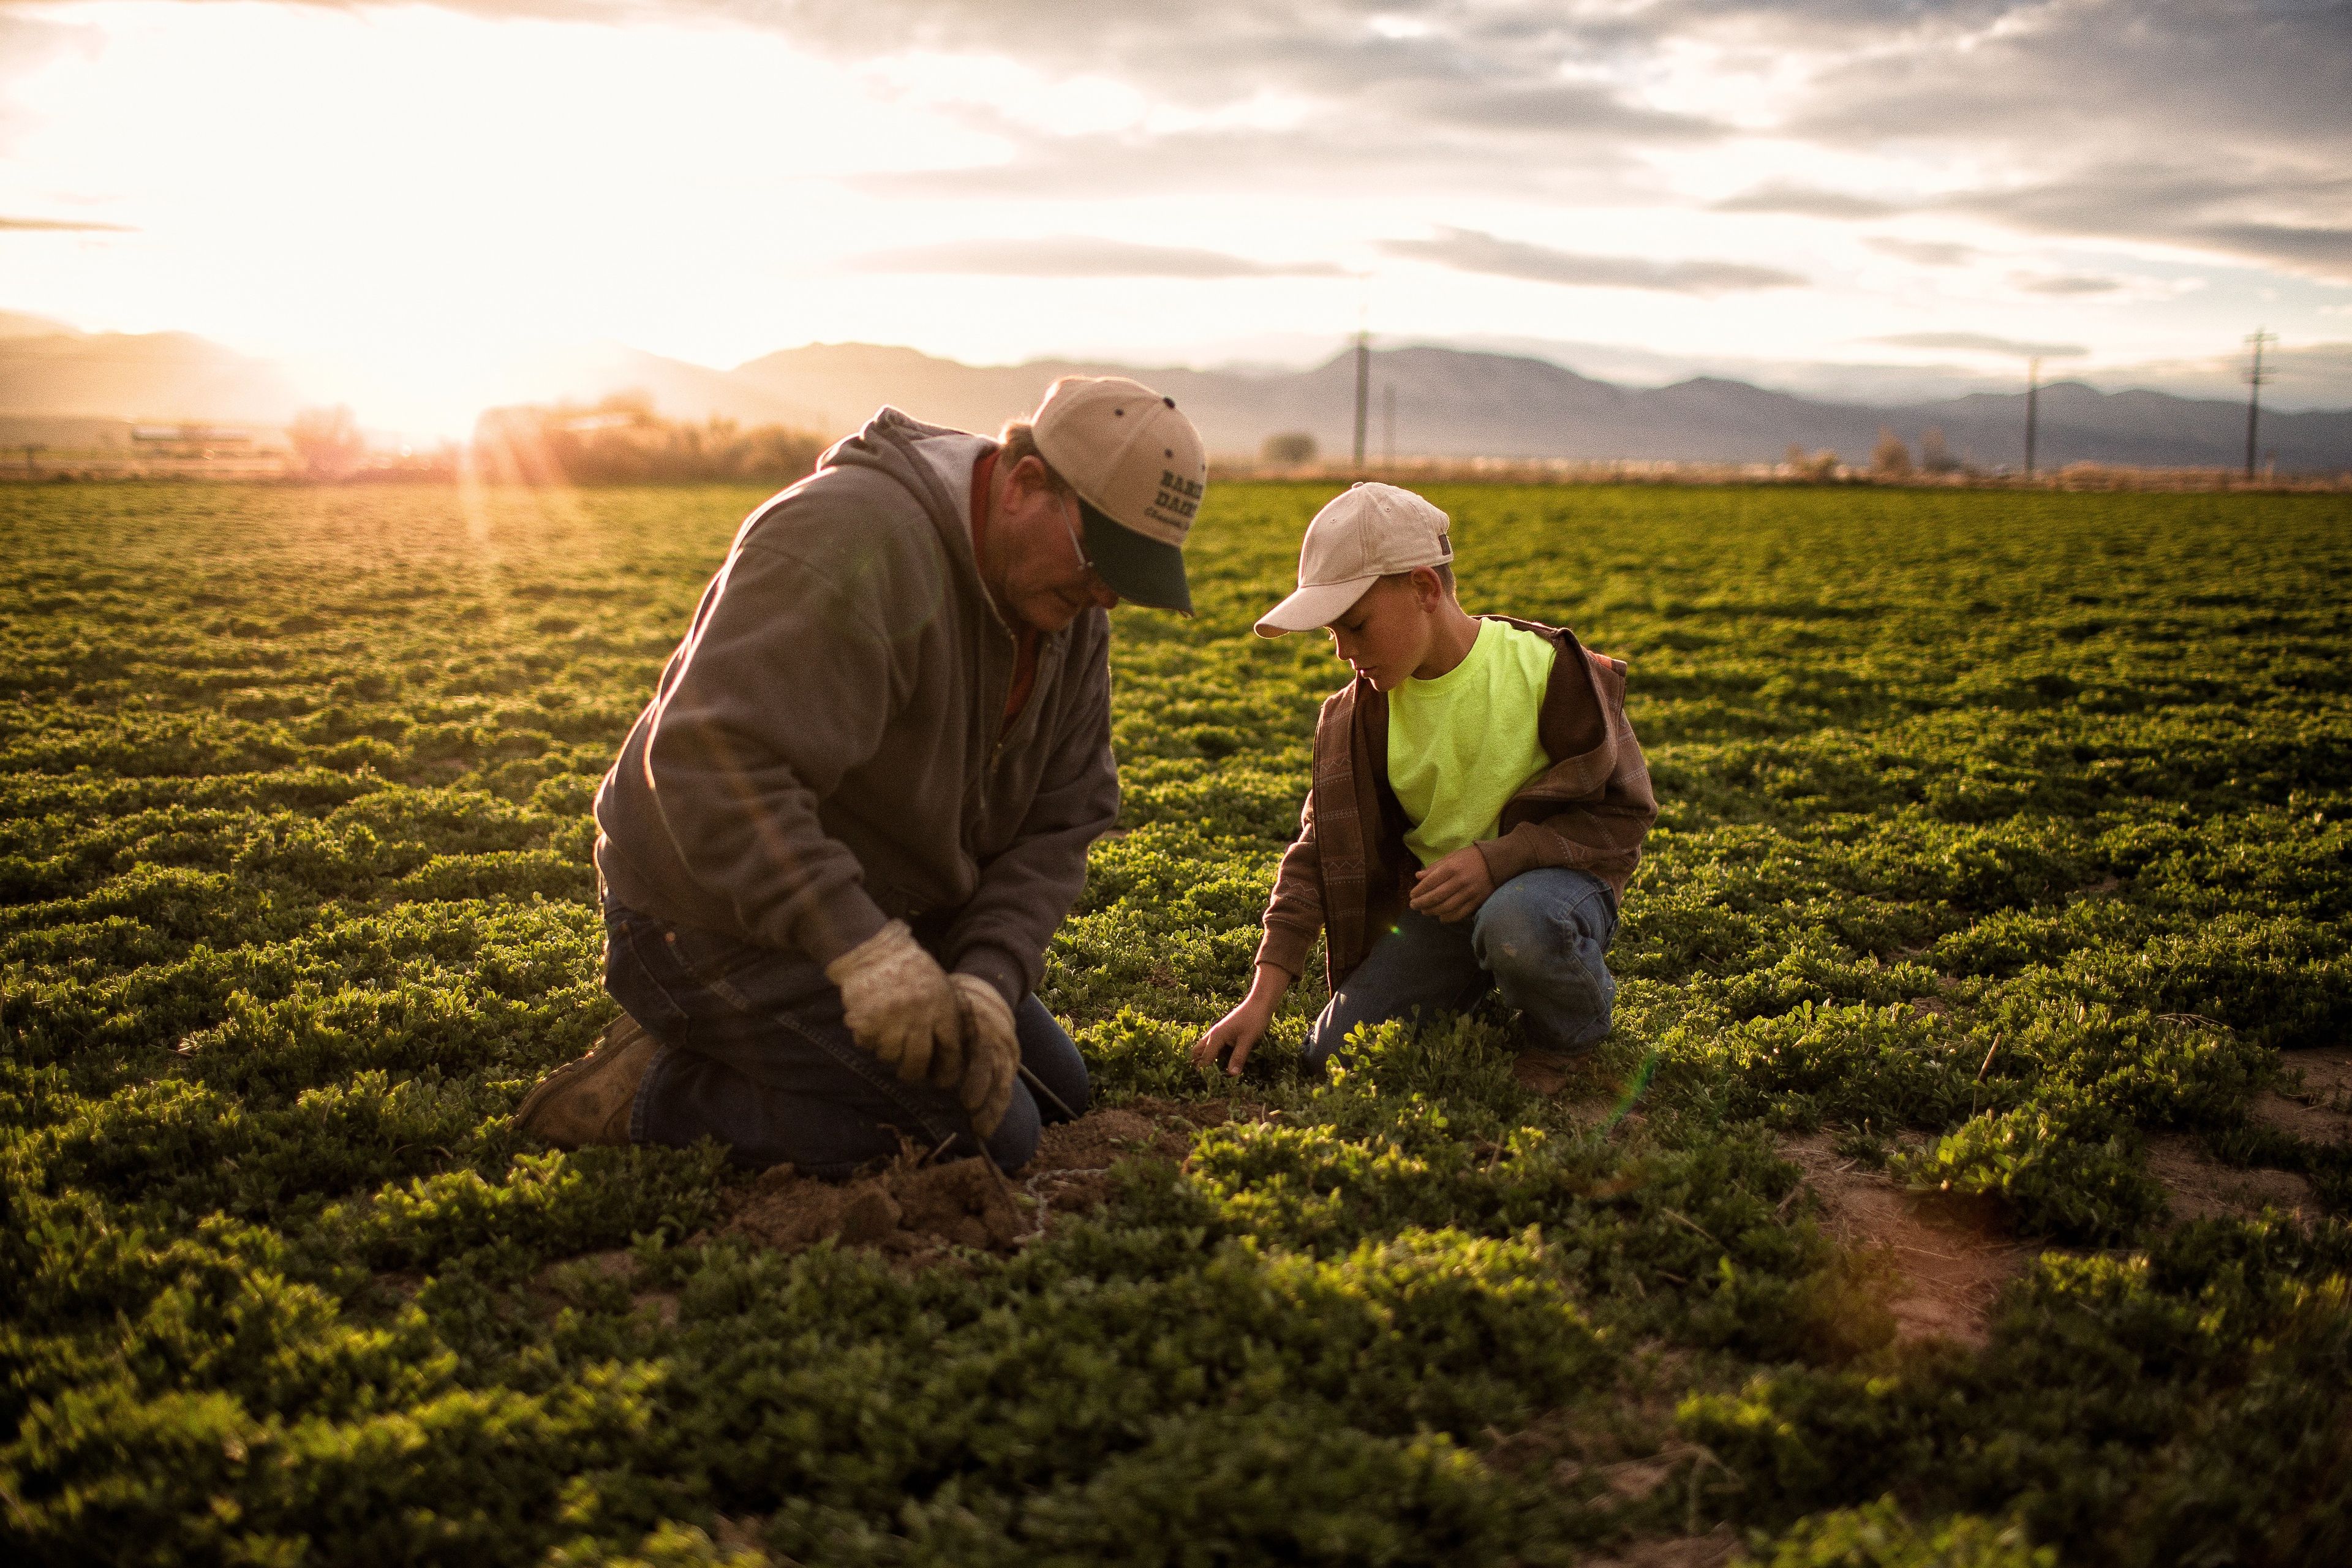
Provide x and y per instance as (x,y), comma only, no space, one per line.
(1078,545)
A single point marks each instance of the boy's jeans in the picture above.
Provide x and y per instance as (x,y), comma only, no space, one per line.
(1540,938)
(754,1053)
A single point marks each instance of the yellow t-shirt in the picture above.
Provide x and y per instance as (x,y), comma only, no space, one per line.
(1462,745)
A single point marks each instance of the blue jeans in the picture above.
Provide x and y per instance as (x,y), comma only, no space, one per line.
(754,1053)
(1540,938)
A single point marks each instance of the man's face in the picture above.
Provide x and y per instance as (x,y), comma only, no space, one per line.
(1047,583)
(1384,636)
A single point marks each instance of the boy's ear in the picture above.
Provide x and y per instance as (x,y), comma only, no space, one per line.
(1428,588)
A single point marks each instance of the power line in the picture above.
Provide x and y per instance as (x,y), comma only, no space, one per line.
(1388,410)
(2254,379)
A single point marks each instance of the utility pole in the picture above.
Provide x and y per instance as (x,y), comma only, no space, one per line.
(2254,379)
(1388,421)
(1363,392)
(2033,407)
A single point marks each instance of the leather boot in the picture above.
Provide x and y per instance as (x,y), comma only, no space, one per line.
(588,1101)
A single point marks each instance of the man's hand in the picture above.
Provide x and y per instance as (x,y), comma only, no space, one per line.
(991,1057)
(897,1000)
(1454,888)
(1235,1035)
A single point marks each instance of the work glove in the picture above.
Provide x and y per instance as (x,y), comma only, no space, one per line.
(897,1003)
(991,1052)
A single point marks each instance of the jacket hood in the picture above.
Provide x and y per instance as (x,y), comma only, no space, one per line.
(931,462)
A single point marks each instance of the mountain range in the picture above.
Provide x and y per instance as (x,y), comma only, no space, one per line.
(1448,402)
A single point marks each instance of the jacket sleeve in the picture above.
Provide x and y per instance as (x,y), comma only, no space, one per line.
(783,686)
(1026,891)
(1579,839)
(1293,915)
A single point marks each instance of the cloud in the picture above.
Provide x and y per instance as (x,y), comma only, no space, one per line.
(62,226)
(2190,207)
(1982,343)
(1371,161)
(2070,286)
(1804,202)
(2217,126)
(1081,256)
(2102,73)
(1468,250)
(1926,252)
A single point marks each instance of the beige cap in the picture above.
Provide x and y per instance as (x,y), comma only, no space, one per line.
(1367,533)
(1139,470)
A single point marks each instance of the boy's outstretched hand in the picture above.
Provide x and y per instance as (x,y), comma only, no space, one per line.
(1454,888)
(1236,1035)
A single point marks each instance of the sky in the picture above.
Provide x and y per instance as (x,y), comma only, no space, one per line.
(418,207)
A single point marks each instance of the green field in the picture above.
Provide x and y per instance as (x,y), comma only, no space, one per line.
(2003,859)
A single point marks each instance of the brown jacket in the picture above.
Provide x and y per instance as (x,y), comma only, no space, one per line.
(1348,872)
(827,750)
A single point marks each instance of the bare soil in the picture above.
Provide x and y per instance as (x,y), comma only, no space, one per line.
(2199,1186)
(916,1211)
(2316,1103)
(1716,1547)
(743,1534)
(1949,1261)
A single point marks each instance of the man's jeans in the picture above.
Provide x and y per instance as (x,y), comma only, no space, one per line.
(1540,938)
(754,1053)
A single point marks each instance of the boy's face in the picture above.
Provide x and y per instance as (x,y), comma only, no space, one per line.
(1385,635)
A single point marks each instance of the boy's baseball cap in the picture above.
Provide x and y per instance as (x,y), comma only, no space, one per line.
(1367,533)
(1139,470)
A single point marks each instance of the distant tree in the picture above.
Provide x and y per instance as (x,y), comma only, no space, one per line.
(1815,466)
(1934,457)
(327,442)
(1290,449)
(621,440)
(1890,459)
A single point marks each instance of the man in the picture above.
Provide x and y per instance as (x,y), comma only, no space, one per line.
(1477,804)
(836,842)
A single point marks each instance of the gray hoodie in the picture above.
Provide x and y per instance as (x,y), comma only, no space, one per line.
(826,749)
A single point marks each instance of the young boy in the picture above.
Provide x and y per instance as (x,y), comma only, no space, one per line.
(1477,803)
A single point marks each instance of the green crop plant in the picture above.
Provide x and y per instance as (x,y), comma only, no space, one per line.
(2004,836)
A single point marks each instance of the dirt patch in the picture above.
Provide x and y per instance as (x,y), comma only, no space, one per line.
(1716,1547)
(1100,1139)
(1070,1174)
(1592,1092)
(744,1533)
(1948,1262)
(2315,1104)
(907,1208)
(2201,1187)
(1547,1072)
(916,1211)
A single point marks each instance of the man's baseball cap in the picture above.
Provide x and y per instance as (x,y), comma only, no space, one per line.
(1139,470)
(1367,533)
